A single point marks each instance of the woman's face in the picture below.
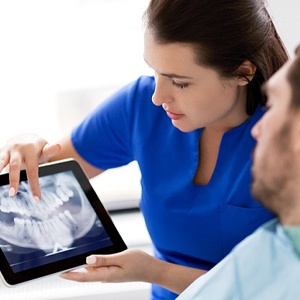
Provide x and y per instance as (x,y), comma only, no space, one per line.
(193,96)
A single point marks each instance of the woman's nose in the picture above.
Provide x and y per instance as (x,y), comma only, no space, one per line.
(255,131)
(161,93)
(156,99)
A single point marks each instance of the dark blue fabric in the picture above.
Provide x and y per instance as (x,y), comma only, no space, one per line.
(189,224)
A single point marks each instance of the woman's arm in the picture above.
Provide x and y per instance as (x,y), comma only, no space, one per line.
(68,151)
(135,265)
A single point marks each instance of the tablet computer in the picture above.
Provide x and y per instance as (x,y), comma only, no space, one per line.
(57,234)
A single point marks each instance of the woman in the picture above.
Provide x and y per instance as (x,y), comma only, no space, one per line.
(193,145)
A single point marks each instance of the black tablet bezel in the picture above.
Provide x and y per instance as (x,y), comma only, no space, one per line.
(11,278)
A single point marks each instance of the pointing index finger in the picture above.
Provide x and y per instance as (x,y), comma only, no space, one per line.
(32,171)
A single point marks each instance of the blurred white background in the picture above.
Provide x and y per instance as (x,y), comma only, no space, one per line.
(52,47)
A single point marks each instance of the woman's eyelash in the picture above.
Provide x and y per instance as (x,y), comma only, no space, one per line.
(180,85)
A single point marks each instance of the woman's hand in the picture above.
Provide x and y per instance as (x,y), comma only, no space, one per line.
(129,265)
(135,265)
(26,151)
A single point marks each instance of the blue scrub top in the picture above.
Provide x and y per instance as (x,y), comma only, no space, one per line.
(189,224)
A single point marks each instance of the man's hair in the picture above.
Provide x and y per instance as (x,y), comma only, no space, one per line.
(293,78)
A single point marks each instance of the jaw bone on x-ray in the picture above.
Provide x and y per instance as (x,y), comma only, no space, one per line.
(63,215)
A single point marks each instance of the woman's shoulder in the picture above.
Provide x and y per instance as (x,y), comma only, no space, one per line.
(134,92)
(258,113)
(143,84)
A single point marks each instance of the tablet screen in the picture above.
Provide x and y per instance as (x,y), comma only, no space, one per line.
(58,233)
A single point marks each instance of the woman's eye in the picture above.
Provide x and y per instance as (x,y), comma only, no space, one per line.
(180,85)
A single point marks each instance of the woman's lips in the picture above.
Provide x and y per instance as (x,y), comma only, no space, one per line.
(174,116)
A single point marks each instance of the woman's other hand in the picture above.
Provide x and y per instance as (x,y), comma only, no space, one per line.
(135,265)
(126,266)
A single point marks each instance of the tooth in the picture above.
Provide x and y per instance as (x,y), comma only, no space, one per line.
(57,199)
(45,204)
(41,237)
(7,230)
(47,228)
(28,226)
(32,208)
(5,205)
(61,194)
(42,210)
(64,219)
(19,227)
(19,206)
(12,205)
(19,221)
(50,200)
(26,206)
(55,229)
(61,225)
(41,227)
(70,217)
(72,221)
(36,232)
(69,222)
(67,190)
(58,231)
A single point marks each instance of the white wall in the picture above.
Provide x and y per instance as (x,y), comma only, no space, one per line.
(49,47)
(287,20)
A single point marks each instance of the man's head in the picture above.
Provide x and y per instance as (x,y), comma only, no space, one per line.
(276,162)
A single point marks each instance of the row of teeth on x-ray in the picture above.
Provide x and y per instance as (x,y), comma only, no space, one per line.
(26,206)
(59,218)
(60,224)
(60,229)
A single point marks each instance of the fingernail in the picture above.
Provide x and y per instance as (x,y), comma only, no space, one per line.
(90,260)
(11,192)
(36,199)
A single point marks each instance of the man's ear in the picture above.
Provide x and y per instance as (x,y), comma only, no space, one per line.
(245,72)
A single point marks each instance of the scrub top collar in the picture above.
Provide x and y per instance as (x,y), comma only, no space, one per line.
(293,233)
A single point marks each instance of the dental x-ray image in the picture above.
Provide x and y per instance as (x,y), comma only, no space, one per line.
(63,224)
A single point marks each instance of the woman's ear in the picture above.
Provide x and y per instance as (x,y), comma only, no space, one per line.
(245,72)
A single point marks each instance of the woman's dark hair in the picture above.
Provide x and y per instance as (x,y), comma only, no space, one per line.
(293,77)
(223,34)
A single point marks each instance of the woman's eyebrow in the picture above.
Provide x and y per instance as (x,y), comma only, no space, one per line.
(171,75)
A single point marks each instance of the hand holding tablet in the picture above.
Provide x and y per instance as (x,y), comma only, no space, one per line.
(69,224)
